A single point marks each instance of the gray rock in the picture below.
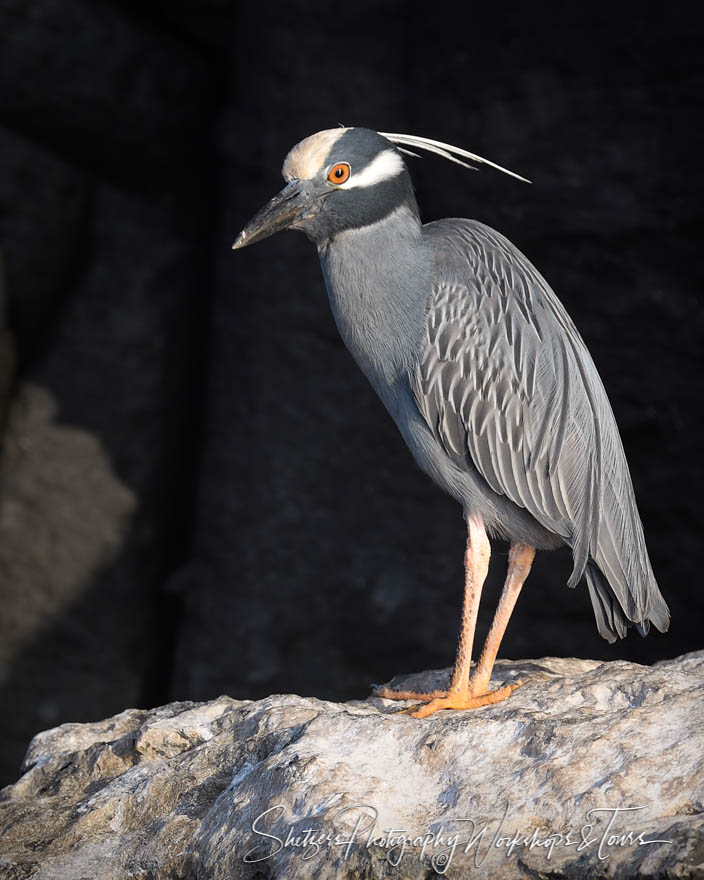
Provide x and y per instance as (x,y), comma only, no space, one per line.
(64,518)
(94,488)
(204,790)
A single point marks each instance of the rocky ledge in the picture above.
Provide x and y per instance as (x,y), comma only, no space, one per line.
(589,770)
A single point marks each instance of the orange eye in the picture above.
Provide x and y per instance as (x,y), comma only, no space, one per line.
(339,173)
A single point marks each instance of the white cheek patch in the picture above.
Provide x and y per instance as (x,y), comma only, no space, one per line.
(386,165)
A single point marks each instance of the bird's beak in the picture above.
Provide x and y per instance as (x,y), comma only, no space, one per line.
(296,201)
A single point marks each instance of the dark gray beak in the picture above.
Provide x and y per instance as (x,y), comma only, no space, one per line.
(295,201)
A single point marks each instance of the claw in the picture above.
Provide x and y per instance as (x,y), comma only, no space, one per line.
(407,710)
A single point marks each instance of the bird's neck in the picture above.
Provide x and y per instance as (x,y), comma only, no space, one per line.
(377,285)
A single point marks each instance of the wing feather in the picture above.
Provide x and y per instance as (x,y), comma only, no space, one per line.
(504,379)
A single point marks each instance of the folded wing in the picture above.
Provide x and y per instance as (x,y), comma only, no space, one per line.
(505,380)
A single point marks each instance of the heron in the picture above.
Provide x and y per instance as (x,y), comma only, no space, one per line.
(486,377)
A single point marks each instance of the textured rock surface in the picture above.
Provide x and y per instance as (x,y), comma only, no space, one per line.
(183,791)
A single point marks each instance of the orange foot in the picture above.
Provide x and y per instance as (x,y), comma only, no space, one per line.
(435,700)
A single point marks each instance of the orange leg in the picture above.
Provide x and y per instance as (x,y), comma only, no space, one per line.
(476,566)
(465,692)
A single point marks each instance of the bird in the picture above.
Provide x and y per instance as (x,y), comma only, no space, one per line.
(486,377)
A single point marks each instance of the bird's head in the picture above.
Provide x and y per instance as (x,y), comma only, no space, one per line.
(345,178)
(336,180)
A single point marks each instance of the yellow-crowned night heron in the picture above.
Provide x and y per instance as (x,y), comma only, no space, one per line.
(486,377)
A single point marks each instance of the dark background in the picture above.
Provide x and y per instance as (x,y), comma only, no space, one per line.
(199,493)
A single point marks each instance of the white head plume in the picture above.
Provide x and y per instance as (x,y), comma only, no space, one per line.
(447,151)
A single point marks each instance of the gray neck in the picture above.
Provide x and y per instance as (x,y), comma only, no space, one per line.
(378,283)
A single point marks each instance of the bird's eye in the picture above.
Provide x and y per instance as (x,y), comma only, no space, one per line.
(339,173)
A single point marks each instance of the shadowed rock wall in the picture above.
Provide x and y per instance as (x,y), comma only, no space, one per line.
(199,492)
(104,226)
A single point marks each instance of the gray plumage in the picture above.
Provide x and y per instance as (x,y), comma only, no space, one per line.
(506,384)
(483,371)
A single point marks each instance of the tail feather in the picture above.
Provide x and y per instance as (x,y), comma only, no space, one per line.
(613,621)
(621,582)
(658,612)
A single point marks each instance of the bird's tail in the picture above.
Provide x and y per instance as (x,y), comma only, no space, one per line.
(621,582)
(617,567)
(612,619)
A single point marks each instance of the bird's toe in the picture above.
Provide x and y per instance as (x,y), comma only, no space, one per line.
(462,700)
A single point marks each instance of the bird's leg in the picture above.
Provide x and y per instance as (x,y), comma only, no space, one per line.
(466,692)
(476,566)
(520,559)
(475,692)
(471,693)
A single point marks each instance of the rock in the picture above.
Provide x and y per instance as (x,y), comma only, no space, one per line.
(57,485)
(7,350)
(94,488)
(237,789)
(46,210)
(99,88)
(105,131)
